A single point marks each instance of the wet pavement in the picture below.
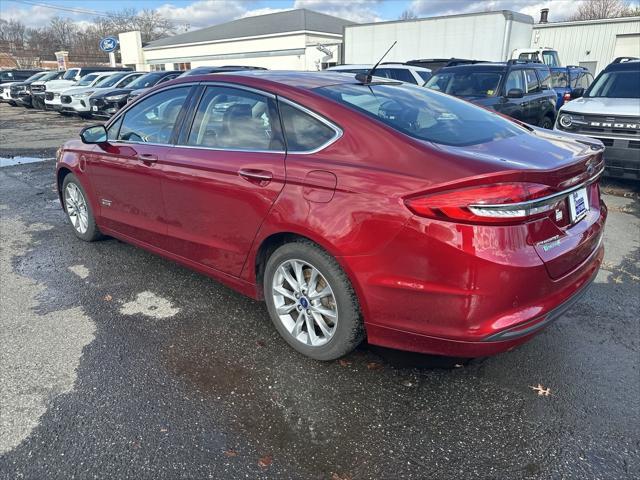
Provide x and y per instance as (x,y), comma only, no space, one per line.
(116,363)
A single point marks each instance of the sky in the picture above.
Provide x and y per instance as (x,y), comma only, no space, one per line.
(192,14)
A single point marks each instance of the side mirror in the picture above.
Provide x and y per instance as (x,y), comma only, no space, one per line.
(515,93)
(94,134)
(577,92)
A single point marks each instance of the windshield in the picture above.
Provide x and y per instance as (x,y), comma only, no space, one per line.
(87,80)
(424,114)
(559,79)
(111,80)
(35,77)
(466,84)
(50,76)
(146,81)
(621,84)
(70,74)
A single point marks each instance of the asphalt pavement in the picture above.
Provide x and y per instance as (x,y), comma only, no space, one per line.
(116,363)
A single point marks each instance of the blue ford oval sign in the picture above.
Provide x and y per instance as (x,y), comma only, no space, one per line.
(108,44)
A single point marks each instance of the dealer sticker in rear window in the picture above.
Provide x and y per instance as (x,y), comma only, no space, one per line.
(578,204)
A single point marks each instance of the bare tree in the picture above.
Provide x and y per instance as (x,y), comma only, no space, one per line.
(408,15)
(597,9)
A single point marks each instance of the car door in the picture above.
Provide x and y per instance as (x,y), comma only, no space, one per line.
(534,98)
(126,171)
(513,107)
(223,176)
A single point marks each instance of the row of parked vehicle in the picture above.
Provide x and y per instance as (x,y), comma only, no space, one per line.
(86,91)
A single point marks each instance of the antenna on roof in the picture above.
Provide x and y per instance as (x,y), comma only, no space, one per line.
(366,78)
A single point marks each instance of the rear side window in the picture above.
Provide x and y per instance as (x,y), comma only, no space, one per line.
(154,118)
(401,74)
(304,132)
(235,119)
(559,79)
(425,76)
(531,81)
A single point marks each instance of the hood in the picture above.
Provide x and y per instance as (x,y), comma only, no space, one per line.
(76,90)
(59,85)
(625,107)
(105,92)
(7,84)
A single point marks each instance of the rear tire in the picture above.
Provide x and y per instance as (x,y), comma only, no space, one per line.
(78,209)
(324,300)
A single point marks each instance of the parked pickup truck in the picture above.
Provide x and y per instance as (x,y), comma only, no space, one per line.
(610,112)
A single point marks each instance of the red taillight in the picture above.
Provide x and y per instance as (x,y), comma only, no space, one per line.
(495,204)
(566,98)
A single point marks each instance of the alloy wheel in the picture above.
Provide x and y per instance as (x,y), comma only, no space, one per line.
(76,206)
(305,302)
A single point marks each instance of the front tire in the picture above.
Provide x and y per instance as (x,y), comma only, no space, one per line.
(78,209)
(312,302)
(547,122)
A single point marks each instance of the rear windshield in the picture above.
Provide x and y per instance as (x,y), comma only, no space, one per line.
(559,79)
(466,83)
(621,84)
(424,114)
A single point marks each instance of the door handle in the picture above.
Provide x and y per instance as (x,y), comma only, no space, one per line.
(259,177)
(148,157)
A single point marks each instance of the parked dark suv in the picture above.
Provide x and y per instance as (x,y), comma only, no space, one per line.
(517,88)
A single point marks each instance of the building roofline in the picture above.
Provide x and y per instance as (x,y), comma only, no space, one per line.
(506,13)
(587,22)
(151,48)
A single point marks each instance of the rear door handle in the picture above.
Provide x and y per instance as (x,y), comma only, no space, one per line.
(259,177)
(148,157)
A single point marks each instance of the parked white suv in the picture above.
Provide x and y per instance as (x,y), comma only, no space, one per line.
(76,99)
(55,88)
(396,71)
(610,112)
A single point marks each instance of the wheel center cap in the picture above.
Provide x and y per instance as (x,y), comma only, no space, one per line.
(304,303)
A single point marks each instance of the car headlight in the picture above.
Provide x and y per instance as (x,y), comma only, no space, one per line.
(116,98)
(565,120)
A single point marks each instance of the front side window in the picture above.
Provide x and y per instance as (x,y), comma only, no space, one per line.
(515,79)
(153,119)
(531,81)
(466,83)
(544,77)
(620,84)
(235,119)
(400,74)
(425,76)
(423,114)
(304,132)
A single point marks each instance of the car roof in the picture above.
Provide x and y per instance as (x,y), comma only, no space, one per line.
(295,79)
(629,65)
(382,65)
(491,66)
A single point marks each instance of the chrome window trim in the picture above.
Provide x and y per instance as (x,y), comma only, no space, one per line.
(338,131)
(543,200)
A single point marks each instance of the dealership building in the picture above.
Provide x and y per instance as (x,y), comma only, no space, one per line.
(291,40)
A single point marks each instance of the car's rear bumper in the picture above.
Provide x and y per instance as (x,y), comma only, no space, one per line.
(468,291)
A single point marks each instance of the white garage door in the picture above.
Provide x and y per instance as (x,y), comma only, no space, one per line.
(627,46)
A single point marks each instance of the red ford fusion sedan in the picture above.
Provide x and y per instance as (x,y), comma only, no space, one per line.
(352,207)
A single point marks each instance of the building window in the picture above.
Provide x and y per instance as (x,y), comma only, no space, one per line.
(182,66)
(157,68)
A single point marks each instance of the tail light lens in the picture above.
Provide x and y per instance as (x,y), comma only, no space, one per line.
(566,98)
(500,203)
